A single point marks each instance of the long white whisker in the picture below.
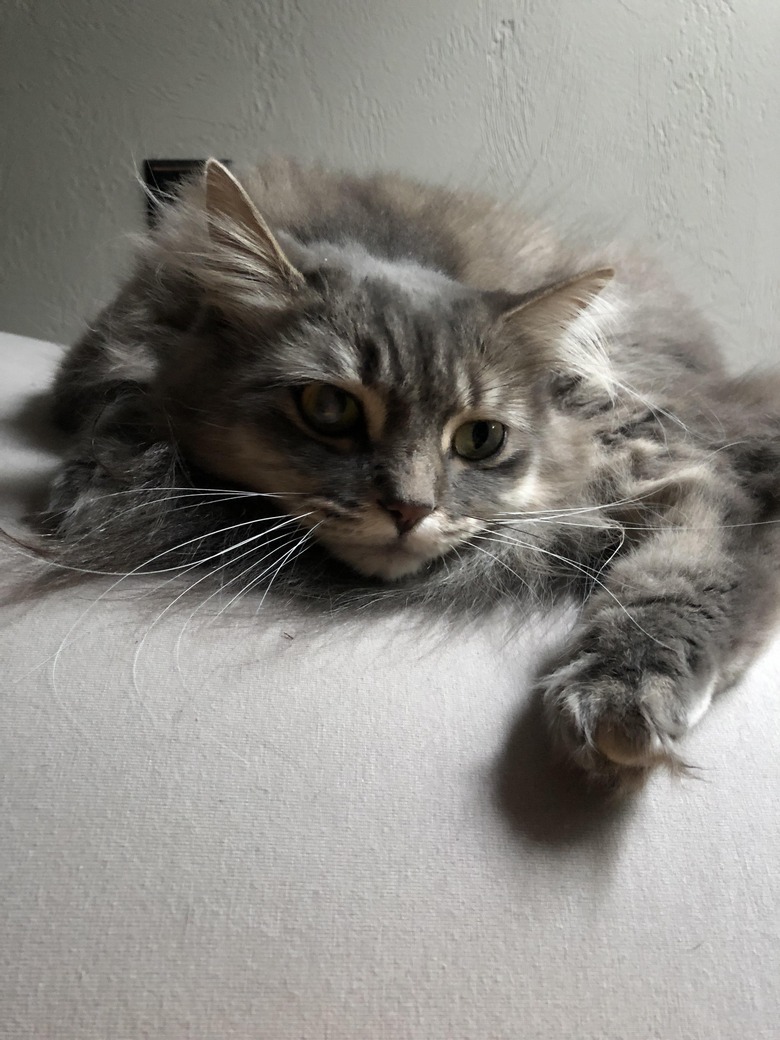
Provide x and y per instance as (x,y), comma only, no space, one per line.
(504,564)
(231,579)
(294,553)
(559,521)
(620,525)
(136,570)
(634,500)
(505,539)
(185,492)
(203,560)
(592,575)
(305,538)
(144,505)
(204,577)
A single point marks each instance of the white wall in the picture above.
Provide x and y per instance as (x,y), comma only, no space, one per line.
(662,116)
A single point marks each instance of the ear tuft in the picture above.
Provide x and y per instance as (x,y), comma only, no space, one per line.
(247,266)
(567,325)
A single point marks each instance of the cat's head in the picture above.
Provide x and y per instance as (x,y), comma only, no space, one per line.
(394,410)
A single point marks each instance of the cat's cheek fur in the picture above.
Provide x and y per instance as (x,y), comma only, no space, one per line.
(240,454)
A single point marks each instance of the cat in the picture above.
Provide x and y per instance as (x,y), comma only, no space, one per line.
(367,386)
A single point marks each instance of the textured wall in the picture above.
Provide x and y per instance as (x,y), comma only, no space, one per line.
(660,116)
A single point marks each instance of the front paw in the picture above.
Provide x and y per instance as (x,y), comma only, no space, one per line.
(618,725)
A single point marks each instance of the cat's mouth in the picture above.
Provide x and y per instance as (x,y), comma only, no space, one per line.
(369,544)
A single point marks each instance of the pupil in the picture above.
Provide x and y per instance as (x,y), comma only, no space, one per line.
(480,434)
(331,405)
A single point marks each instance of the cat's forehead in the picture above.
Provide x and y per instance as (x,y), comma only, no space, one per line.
(409,280)
(420,352)
(410,335)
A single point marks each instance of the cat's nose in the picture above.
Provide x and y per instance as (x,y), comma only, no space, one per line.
(407,514)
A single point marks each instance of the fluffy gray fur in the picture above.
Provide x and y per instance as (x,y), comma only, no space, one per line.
(633,469)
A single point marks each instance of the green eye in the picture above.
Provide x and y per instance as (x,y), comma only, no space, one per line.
(478,440)
(328,409)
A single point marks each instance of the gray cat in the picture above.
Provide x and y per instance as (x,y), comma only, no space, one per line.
(365,386)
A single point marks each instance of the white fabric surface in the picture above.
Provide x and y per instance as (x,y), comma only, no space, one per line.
(257,827)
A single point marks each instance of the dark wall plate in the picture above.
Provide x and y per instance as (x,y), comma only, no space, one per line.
(162,177)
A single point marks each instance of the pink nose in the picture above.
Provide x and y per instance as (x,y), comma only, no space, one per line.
(407,514)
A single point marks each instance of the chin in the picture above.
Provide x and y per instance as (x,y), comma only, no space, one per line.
(390,563)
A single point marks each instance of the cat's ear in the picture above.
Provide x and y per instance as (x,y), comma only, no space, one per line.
(249,266)
(565,324)
(561,304)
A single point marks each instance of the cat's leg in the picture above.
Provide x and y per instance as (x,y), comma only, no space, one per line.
(674,622)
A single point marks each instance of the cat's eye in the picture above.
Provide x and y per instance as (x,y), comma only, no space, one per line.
(478,440)
(329,409)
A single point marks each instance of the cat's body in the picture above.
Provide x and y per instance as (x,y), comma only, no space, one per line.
(453,405)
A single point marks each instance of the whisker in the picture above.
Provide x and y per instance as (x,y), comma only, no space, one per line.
(182,545)
(594,576)
(193,491)
(557,521)
(208,575)
(233,560)
(305,539)
(305,542)
(662,525)
(633,500)
(123,513)
(138,570)
(504,564)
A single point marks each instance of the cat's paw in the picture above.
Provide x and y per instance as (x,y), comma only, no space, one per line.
(618,727)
